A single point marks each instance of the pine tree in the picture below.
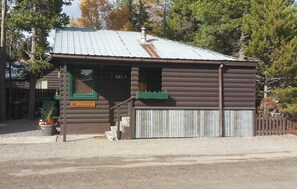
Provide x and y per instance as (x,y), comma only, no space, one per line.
(181,23)
(272,27)
(215,25)
(38,18)
(220,25)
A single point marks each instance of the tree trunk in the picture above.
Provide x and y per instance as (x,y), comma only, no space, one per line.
(10,91)
(2,64)
(241,53)
(31,105)
(2,88)
(164,18)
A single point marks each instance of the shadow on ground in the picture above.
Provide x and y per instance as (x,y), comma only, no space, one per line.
(18,126)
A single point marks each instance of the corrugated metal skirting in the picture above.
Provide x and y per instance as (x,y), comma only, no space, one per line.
(238,122)
(191,123)
(176,123)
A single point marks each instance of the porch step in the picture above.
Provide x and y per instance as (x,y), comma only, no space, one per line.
(110,135)
(126,121)
(113,129)
(122,124)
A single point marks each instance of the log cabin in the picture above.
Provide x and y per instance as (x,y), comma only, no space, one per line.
(132,85)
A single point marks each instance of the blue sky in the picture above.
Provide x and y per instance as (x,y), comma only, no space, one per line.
(73,10)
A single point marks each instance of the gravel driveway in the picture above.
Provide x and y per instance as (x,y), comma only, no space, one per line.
(207,149)
(86,146)
(249,162)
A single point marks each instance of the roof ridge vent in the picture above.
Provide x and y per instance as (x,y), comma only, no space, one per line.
(143,35)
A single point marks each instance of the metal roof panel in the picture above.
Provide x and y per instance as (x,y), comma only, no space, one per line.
(82,41)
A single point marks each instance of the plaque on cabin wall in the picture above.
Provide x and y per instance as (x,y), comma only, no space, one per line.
(83,104)
(119,75)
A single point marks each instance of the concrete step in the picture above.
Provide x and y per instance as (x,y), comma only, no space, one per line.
(126,132)
(124,124)
(113,129)
(121,124)
(110,135)
(126,128)
(126,121)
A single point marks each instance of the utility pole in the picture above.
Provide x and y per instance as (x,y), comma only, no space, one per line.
(3,62)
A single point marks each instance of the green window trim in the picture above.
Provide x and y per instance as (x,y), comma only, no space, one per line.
(79,96)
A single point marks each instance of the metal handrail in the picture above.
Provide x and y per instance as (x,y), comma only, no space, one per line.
(118,106)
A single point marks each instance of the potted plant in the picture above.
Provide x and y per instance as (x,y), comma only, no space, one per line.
(47,125)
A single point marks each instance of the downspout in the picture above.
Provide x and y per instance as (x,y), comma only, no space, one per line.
(221,118)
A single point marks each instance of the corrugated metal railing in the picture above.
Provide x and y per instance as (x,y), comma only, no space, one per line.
(270,125)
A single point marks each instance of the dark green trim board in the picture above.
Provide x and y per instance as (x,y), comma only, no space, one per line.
(57,97)
(78,96)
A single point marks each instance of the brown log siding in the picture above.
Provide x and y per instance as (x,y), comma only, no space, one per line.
(196,86)
(239,87)
(53,79)
(192,86)
(134,80)
(188,86)
(110,92)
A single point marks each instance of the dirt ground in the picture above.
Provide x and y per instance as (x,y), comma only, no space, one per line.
(150,172)
(249,162)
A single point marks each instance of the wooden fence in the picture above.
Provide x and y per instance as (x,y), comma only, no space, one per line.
(270,125)
(21,95)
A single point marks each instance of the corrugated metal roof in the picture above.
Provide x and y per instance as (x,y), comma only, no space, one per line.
(90,42)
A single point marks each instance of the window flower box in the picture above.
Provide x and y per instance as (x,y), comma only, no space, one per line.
(152,95)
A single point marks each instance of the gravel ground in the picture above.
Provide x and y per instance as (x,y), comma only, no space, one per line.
(122,174)
(85,161)
(207,149)
(20,127)
(86,146)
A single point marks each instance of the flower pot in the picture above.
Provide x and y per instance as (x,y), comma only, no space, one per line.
(48,130)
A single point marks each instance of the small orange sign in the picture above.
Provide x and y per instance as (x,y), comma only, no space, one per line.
(83,104)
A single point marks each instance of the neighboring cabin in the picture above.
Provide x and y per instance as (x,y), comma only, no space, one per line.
(49,81)
(180,90)
(17,92)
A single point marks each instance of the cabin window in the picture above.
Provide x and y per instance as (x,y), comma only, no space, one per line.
(150,85)
(41,84)
(150,80)
(82,83)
